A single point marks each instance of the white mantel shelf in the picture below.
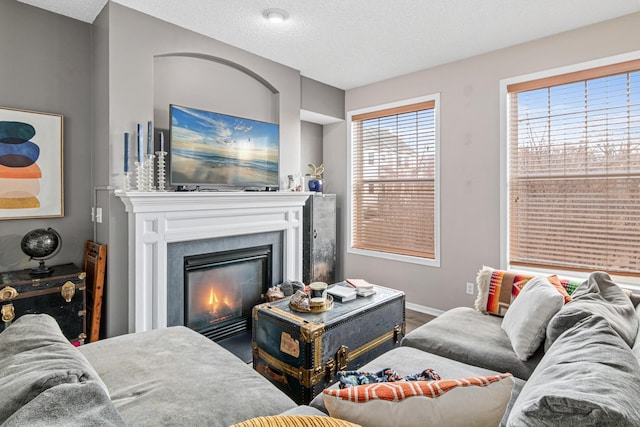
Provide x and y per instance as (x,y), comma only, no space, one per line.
(159,218)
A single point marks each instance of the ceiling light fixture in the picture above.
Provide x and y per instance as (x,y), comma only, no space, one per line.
(276,16)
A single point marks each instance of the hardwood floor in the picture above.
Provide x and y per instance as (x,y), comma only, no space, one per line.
(415,319)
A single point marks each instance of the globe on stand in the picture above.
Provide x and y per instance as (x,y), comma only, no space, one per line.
(41,244)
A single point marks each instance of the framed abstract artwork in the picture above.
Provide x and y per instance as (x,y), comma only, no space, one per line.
(31,158)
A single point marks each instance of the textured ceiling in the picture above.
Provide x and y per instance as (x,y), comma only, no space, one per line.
(350,43)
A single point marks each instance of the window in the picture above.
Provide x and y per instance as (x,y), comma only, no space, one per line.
(574,171)
(394,182)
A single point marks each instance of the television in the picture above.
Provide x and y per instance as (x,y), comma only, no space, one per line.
(214,151)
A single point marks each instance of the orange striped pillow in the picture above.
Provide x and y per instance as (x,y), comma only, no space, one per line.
(295,421)
(465,401)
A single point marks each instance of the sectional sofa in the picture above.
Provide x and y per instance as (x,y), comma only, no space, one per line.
(583,364)
(585,371)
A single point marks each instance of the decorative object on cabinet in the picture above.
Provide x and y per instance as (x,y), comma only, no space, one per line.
(94,264)
(319,239)
(41,244)
(30,164)
(61,295)
(315,180)
(315,185)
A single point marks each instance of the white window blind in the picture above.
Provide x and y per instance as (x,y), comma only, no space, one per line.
(574,171)
(393,171)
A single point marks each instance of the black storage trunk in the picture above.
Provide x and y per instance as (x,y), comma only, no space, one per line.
(301,352)
(61,295)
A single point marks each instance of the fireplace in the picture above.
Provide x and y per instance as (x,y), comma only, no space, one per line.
(162,223)
(221,289)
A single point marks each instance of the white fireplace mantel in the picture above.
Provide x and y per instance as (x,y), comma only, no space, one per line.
(159,218)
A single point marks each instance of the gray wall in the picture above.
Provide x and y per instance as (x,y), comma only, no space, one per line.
(311,147)
(134,44)
(470,154)
(320,98)
(46,67)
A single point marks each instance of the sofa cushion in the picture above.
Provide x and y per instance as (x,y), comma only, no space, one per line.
(39,368)
(183,378)
(423,403)
(597,295)
(589,377)
(526,320)
(468,336)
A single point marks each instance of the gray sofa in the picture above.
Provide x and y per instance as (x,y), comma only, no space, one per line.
(172,377)
(588,375)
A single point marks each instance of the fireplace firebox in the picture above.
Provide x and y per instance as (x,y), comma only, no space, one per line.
(221,289)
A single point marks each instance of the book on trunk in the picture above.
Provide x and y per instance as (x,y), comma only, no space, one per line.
(342,293)
(359,284)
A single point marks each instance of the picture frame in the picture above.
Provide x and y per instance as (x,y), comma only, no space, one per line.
(31,164)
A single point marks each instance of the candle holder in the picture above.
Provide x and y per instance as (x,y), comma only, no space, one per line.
(126,181)
(149,165)
(162,179)
(141,178)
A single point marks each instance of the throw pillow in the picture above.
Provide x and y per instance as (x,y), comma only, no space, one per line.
(454,402)
(555,281)
(526,320)
(589,377)
(295,421)
(498,288)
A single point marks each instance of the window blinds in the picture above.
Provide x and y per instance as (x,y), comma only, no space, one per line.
(393,170)
(574,171)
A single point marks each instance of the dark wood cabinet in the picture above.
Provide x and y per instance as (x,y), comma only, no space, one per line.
(319,239)
(60,294)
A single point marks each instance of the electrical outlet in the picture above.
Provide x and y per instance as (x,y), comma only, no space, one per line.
(470,287)
(99,215)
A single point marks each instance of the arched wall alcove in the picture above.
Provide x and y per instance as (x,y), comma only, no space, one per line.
(213,84)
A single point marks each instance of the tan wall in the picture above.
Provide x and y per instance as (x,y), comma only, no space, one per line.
(470,154)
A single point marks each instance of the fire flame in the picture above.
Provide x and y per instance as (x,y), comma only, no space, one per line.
(213,299)
(219,304)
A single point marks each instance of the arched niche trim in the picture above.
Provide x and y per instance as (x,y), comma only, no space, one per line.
(226,62)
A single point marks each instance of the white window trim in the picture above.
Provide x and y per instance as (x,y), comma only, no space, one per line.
(626,281)
(385,255)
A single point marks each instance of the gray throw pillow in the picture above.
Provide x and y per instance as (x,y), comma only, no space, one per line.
(589,377)
(35,358)
(526,320)
(597,295)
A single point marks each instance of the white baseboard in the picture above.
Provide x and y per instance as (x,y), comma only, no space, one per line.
(422,309)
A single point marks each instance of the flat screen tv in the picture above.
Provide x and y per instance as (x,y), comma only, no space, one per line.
(209,150)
